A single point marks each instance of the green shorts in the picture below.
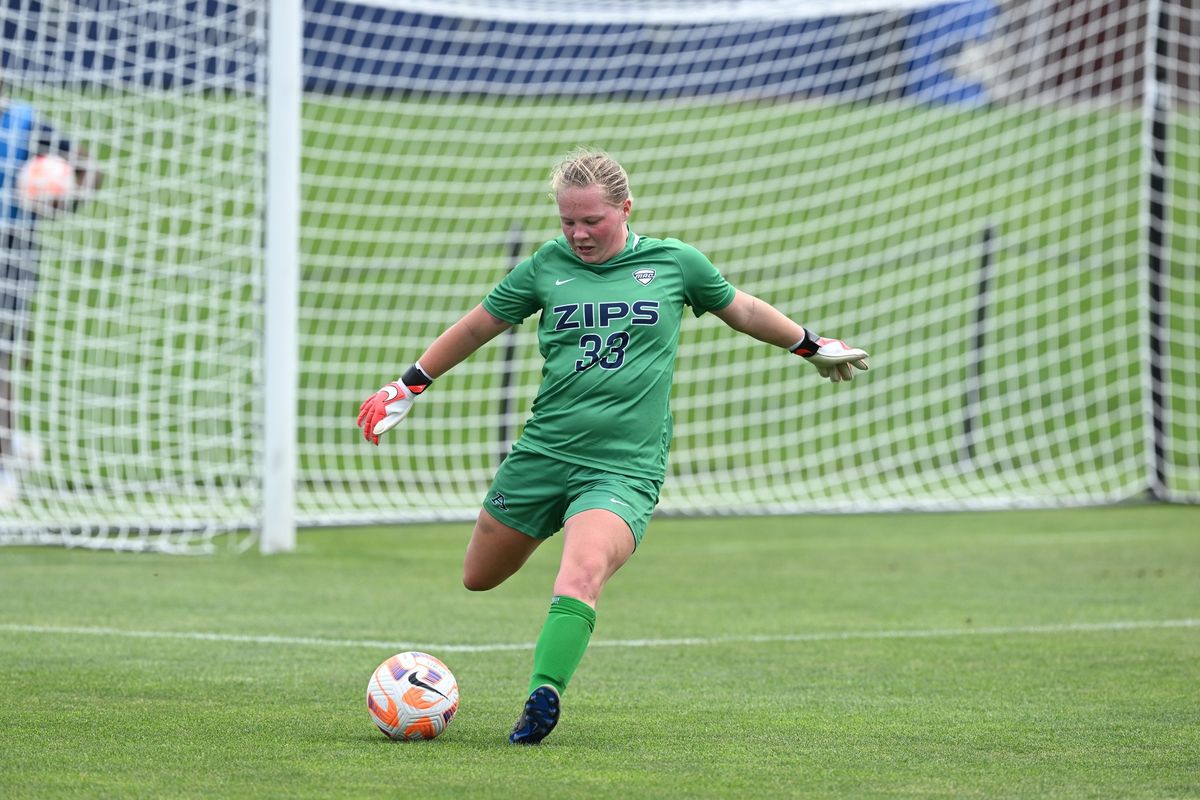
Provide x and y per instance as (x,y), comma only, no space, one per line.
(536,494)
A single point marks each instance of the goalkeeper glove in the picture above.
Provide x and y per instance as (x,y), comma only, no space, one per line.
(833,358)
(384,410)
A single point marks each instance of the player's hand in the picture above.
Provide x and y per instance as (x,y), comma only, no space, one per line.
(384,410)
(836,360)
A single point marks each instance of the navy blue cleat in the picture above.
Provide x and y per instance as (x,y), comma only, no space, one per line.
(539,717)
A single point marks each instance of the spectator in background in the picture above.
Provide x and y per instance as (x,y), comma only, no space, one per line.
(24,136)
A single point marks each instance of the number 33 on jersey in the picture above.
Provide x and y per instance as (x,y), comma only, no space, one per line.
(609,334)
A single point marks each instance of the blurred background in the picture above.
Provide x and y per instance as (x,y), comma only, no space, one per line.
(998,199)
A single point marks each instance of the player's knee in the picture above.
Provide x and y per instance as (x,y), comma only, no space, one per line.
(475,583)
(481,581)
(582,585)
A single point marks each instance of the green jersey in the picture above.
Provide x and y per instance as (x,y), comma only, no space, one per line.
(609,335)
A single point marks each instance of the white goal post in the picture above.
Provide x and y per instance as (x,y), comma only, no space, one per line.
(999,199)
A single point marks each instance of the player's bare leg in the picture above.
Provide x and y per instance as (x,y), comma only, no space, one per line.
(597,542)
(494,553)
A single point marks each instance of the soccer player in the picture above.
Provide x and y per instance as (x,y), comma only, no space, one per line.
(593,454)
(23,136)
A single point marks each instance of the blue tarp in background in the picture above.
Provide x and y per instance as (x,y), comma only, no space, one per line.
(355,48)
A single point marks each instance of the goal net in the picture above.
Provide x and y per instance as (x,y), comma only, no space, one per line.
(998,199)
(135,373)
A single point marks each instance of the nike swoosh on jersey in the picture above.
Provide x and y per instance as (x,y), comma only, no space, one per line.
(560,283)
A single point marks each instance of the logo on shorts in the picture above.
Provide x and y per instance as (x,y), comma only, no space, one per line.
(643,276)
(499,502)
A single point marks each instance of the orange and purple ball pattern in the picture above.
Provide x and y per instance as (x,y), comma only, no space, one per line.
(412,695)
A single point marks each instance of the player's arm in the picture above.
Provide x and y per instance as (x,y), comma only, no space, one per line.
(383,410)
(833,358)
(460,340)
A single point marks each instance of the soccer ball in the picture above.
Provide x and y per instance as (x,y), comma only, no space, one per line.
(45,184)
(412,696)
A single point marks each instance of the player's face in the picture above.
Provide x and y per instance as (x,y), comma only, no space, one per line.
(594,229)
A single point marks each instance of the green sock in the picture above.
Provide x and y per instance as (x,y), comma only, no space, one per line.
(560,647)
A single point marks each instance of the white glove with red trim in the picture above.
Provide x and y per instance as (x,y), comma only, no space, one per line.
(833,358)
(385,409)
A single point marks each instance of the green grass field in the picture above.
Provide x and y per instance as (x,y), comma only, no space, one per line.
(1019,654)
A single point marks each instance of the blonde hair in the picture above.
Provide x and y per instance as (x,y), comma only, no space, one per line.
(585,167)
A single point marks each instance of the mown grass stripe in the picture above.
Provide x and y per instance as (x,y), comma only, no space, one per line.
(705,641)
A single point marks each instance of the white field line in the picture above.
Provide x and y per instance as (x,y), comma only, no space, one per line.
(708,641)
